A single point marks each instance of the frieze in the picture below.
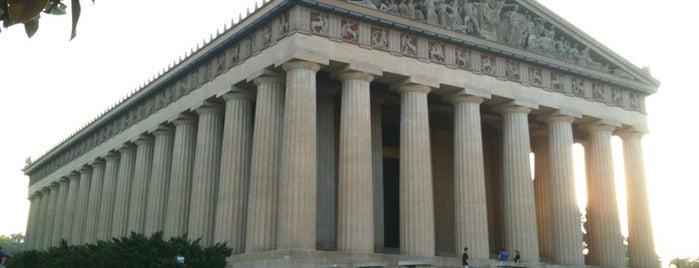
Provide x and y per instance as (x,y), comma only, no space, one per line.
(502,21)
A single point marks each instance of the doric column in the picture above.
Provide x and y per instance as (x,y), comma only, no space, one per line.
(326,228)
(62,200)
(542,191)
(139,185)
(93,207)
(355,192)
(111,172)
(296,224)
(51,214)
(71,202)
(160,179)
(32,221)
(519,211)
(377,171)
(641,243)
(471,218)
(207,165)
(566,236)
(177,214)
(264,167)
(604,239)
(81,206)
(415,191)
(43,216)
(236,151)
(120,217)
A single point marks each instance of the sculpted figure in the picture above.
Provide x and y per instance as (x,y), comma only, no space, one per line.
(490,11)
(366,3)
(431,12)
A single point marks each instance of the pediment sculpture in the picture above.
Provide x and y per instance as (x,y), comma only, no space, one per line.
(497,20)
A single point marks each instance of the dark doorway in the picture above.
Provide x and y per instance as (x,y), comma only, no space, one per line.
(391,203)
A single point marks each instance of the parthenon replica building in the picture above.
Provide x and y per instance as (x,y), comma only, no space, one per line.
(367,133)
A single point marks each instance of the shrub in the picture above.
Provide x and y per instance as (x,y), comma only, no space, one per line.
(136,250)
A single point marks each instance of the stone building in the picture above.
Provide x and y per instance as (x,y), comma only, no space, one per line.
(367,133)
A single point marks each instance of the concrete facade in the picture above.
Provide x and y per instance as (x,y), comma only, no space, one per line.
(331,133)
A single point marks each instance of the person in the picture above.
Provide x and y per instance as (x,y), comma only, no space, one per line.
(503,255)
(517,257)
(3,258)
(464,258)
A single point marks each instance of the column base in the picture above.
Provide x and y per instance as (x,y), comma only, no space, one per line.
(333,259)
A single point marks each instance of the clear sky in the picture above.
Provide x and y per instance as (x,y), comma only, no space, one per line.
(51,87)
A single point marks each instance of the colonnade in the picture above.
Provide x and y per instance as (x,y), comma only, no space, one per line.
(214,174)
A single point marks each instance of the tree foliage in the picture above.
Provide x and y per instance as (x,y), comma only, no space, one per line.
(28,13)
(12,244)
(685,263)
(136,250)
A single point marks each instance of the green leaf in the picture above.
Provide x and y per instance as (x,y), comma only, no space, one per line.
(75,12)
(60,9)
(30,27)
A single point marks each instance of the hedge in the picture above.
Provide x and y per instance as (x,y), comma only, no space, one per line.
(136,250)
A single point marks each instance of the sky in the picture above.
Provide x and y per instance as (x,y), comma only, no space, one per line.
(51,87)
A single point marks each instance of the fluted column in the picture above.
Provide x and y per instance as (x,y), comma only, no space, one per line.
(111,172)
(120,219)
(297,177)
(43,216)
(179,191)
(69,211)
(51,215)
(566,235)
(236,151)
(417,235)
(81,206)
(377,171)
(519,211)
(62,200)
(93,207)
(32,221)
(207,165)
(641,242)
(471,218)
(326,228)
(355,184)
(264,166)
(50,211)
(604,239)
(139,185)
(542,191)
(160,180)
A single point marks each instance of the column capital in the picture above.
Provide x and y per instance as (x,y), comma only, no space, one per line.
(210,107)
(626,133)
(127,147)
(412,87)
(85,169)
(299,64)
(143,139)
(112,156)
(599,126)
(97,162)
(73,175)
(45,190)
(463,98)
(507,109)
(63,180)
(163,130)
(184,119)
(238,93)
(552,118)
(355,75)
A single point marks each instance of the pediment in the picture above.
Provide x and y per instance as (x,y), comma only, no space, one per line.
(523,25)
